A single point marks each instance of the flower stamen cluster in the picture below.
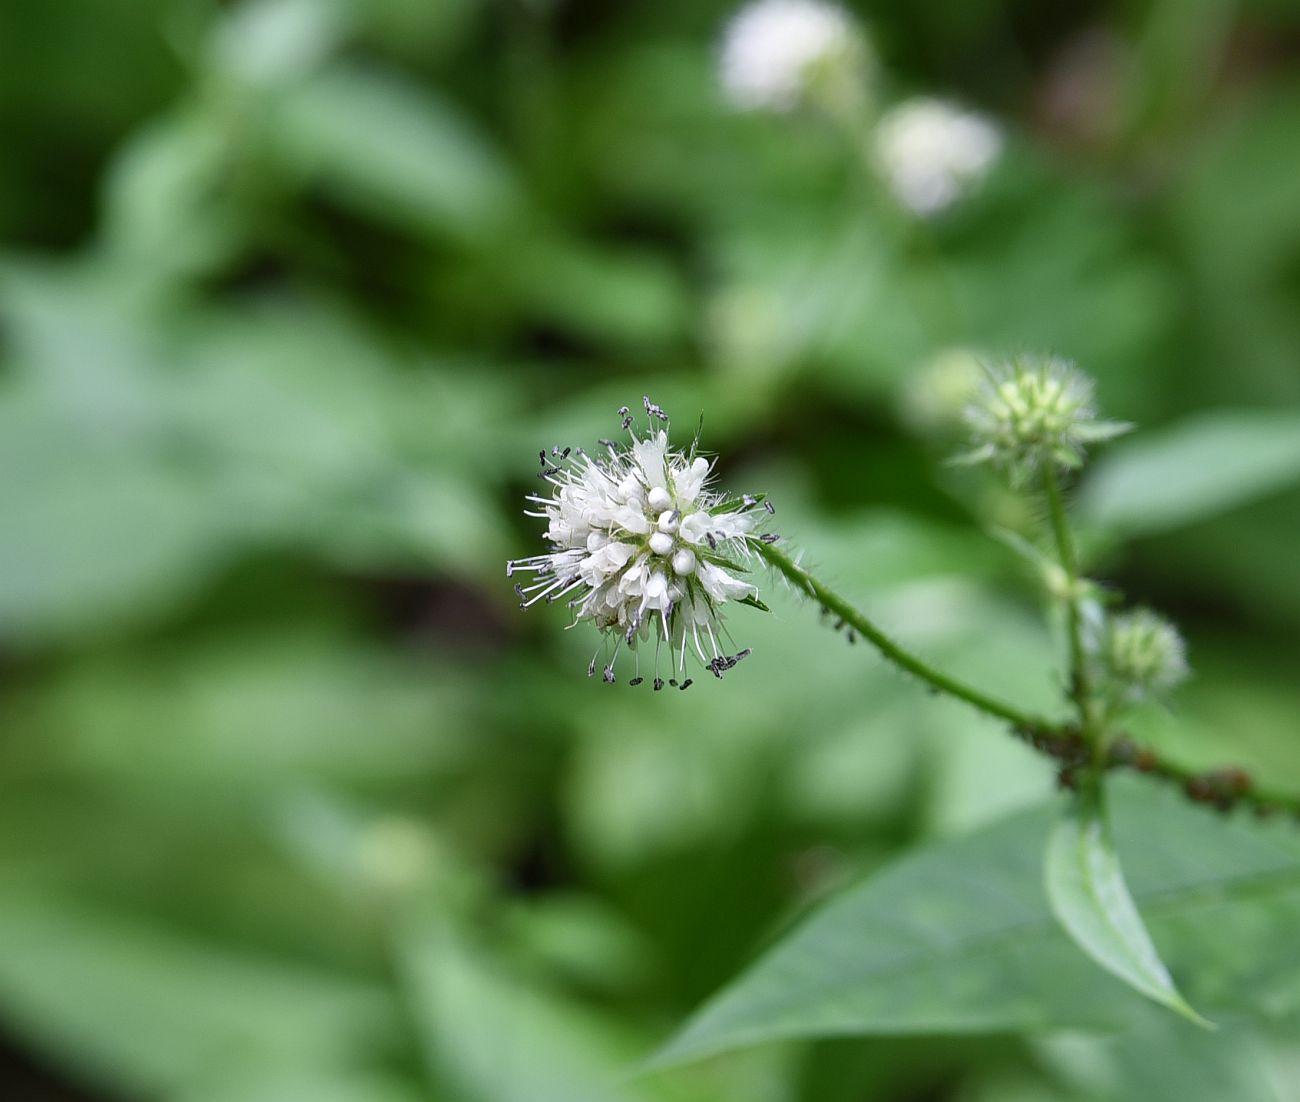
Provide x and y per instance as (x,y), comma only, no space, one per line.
(646,547)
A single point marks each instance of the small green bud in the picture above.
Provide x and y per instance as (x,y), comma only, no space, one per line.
(1031,412)
(1144,653)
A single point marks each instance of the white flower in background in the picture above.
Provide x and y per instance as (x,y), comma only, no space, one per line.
(649,550)
(1034,411)
(774,49)
(931,150)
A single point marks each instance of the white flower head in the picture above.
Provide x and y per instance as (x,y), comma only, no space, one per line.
(930,151)
(774,51)
(644,549)
(1033,412)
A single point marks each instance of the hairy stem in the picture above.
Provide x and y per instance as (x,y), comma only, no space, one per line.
(901,658)
(1072,746)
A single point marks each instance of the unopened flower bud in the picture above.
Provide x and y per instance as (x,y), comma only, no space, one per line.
(1032,413)
(1144,653)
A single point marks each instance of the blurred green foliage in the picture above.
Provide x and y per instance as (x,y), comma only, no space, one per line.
(295,805)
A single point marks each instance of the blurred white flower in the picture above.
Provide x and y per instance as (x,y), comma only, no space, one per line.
(649,550)
(931,150)
(774,49)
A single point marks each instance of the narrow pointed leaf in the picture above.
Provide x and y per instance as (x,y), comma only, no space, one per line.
(1088,895)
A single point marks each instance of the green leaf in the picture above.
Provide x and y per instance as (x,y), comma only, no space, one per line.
(498,1038)
(959,937)
(1194,470)
(395,151)
(152,1011)
(754,602)
(1087,893)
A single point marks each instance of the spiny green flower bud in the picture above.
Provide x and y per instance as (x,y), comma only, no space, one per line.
(1144,652)
(1031,412)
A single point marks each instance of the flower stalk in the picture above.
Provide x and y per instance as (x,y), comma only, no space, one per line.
(1080,678)
(903,659)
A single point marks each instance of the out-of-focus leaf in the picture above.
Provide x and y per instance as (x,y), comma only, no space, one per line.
(309,1086)
(153,1011)
(1194,470)
(628,297)
(283,708)
(503,1040)
(395,151)
(168,206)
(268,42)
(1164,1060)
(1087,892)
(959,938)
(93,534)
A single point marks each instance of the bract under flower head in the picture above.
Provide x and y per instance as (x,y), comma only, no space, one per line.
(643,548)
(1032,412)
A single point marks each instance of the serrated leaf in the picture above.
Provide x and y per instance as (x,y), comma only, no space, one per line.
(959,937)
(1087,892)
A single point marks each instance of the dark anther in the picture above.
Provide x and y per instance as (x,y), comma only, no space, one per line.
(636,681)
(673,682)
(609,674)
(659,683)
(713,543)
(622,411)
(743,654)
(542,456)
(591,670)
(687,684)
(769,537)
(769,507)
(653,410)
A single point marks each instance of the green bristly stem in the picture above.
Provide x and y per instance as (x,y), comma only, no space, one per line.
(1080,682)
(1066,743)
(901,658)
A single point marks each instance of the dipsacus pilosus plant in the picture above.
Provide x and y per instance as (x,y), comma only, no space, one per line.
(645,549)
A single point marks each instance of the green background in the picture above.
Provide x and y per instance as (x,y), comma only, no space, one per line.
(296,804)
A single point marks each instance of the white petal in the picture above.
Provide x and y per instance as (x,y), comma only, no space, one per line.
(720,585)
(690,480)
(649,456)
